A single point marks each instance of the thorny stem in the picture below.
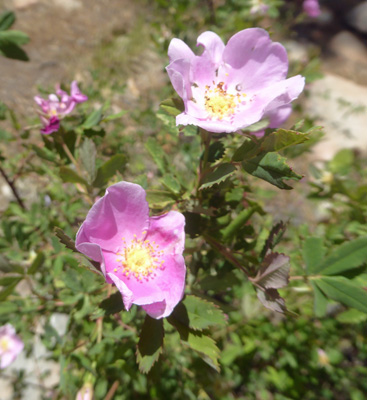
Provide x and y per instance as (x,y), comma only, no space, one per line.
(205,141)
(225,252)
(12,187)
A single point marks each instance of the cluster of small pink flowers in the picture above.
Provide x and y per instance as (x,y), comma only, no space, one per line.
(10,345)
(57,106)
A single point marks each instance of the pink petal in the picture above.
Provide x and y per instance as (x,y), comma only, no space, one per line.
(257,62)
(178,49)
(179,74)
(168,232)
(279,115)
(213,46)
(53,125)
(121,212)
(76,94)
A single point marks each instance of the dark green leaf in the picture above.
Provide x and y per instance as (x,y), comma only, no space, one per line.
(71,280)
(343,290)
(272,168)
(247,150)
(150,344)
(44,153)
(347,256)
(258,126)
(88,153)
(93,119)
(65,239)
(13,51)
(352,316)
(220,174)
(274,237)
(7,307)
(7,19)
(115,164)
(216,151)
(9,289)
(313,254)
(37,262)
(112,304)
(69,175)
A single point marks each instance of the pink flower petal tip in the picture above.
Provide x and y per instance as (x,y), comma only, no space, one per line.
(228,88)
(10,345)
(141,255)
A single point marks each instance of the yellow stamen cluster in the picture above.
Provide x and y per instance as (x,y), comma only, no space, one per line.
(219,103)
(140,258)
(4,343)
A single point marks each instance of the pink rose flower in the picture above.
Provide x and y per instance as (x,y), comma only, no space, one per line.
(258,7)
(228,88)
(311,8)
(10,345)
(58,106)
(141,255)
(85,393)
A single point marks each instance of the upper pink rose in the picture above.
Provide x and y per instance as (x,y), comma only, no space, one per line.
(10,345)
(57,106)
(230,87)
(141,255)
(311,8)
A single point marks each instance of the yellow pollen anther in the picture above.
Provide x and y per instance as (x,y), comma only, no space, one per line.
(139,259)
(219,103)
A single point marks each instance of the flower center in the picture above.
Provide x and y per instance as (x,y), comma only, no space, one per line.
(140,258)
(219,103)
(4,344)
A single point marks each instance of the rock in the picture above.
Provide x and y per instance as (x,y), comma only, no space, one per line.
(339,105)
(19,4)
(357,17)
(68,5)
(345,44)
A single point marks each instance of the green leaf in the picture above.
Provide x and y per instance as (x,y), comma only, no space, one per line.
(7,19)
(157,153)
(173,106)
(71,280)
(258,126)
(44,153)
(65,239)
(247,150)
(352,316)
(241,219)
(160,199)
(347,256)
(320,301)
(37,262)
(15,37)
(9,289)
(93,119)
(272,168)
(8,307)
(150,344)
(112,304)
(201,313)
(216,151)
(313,254)
(69,175)
(281,139)
(271,299)
(88,153)
(114,116)
(197,341)
(220,174)
(171,183)
(343,290)
(115,164)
